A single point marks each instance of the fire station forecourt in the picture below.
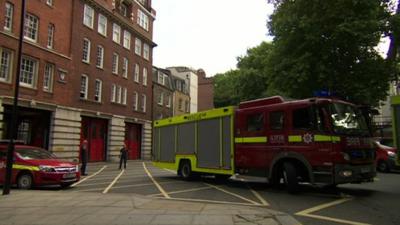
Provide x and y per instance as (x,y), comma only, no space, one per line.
(134,196)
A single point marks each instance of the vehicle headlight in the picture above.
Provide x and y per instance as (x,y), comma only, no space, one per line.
(47,169)
(76,168)
(391,154)
(346,156)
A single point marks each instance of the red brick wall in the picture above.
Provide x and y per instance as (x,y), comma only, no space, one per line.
(206,91)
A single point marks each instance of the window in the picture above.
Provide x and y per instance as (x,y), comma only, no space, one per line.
(143,105)
(84,87)
(49,2)
(31,27)
(187,107)
(5,65)
(86,51)
(116,33)
(136,75)
(138,46)
(135,101)
(8,16)
(161,98)
(143,20)
(146,51)
(115,60)
(145,76)
(180,104)
(127,40)
(113,92)
(125,67)
(169,101)
(97,90)
(276,120)
(50,36)
(160,78)
(102,25)
(302,119)
(255,122)
(100,56)
(88,15)
(123,9)
(119,94)
(48,77)
(28,72)
(124,95)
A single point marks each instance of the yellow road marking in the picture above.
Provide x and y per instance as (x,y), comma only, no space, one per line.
(155,182)
(231,193)
(307,212)
(88,177)
(259,197)
(113,182)
(183,191)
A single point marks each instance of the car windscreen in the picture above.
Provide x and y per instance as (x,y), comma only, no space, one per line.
(34,154)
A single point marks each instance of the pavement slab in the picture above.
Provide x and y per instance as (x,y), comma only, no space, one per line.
(34,207)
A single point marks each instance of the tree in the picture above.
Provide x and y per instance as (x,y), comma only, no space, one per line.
(329,45)
(248,81)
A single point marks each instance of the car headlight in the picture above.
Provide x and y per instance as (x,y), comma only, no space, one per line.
(76,168)
(391,154)
(47,169)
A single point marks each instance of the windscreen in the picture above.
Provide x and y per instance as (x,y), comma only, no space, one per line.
(34,154)
(348,120)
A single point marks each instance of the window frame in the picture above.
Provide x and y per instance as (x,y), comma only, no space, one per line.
(135,101)
(137,73)
(116,33)
(86,50)
(86,87)
(50,35)
(125,67)
(138,46)
(271,118)
(98,90)
(143,105)
(100,57)
(127,40)
(8,16)
(31,31)
(35,69)
(8,71)
(101,25)
(144,75)
(115,62)
(48,77)
(146,51)
(88,16)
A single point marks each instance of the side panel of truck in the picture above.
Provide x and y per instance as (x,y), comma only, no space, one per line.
(205,139)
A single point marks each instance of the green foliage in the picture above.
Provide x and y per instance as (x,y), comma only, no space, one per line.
(330,45)
(247,82)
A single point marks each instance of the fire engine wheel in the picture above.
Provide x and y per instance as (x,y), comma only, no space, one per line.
(186,170)
(383,166)
(25,181)
(290,178)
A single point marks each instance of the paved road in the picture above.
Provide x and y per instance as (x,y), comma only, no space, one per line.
(375,203)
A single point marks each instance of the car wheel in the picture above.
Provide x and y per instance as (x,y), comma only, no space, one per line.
(186,170)
(25,181)
(290,178)
(383,166)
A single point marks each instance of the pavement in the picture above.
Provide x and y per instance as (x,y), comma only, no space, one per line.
(56,207)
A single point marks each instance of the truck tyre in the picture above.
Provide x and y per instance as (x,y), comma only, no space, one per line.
(186,170)
(25,181)
(383,167)
(290,178)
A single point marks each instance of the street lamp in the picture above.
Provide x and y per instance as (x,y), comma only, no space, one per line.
(13,129)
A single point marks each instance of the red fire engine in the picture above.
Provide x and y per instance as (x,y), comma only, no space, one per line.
(317,140)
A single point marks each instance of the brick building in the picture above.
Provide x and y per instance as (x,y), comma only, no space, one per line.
(85,74)
(163,93)
(206,91)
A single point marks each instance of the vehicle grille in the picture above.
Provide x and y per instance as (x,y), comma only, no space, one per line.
(362,154)
(65,169)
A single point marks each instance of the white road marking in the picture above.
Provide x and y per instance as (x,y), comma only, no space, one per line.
(307,212)
(183,191)
(171,171)
(113,182)
(211,201)
(233,194)
(259,197)
(88,177)
(155,182)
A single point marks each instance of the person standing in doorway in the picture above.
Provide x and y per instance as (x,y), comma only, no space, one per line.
(84,156)
(123,156)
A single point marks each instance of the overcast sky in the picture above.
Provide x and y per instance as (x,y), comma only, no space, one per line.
(207,34)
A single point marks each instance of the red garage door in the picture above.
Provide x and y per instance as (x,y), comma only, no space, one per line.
(95,132)
(133,139)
